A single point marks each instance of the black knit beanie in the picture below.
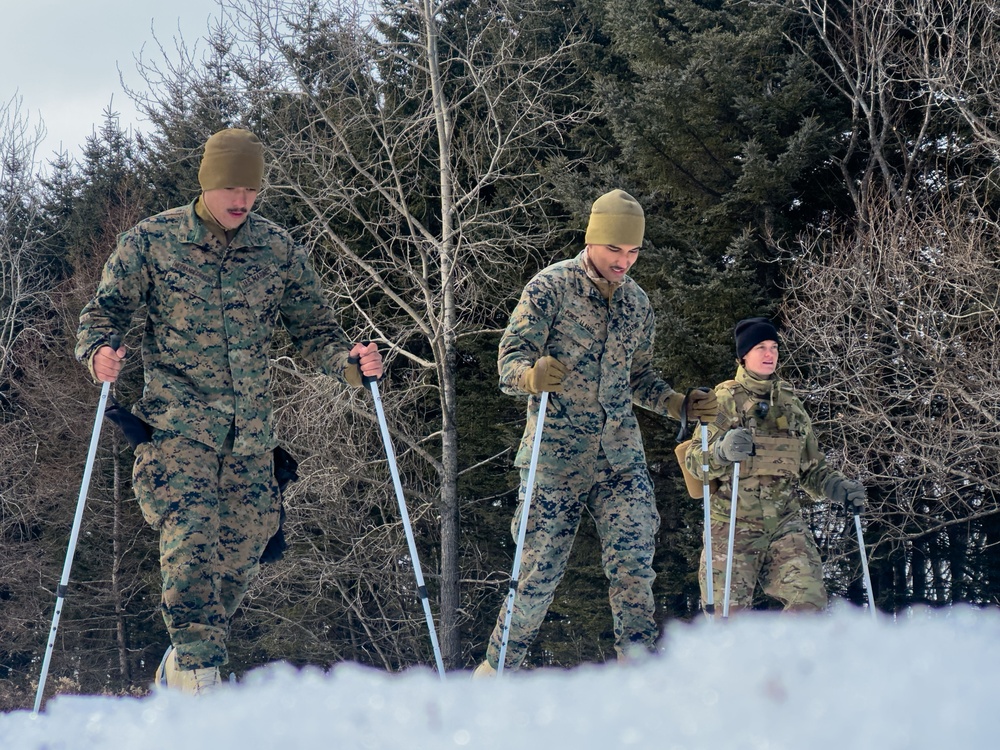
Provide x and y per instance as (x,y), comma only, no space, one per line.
(750,332)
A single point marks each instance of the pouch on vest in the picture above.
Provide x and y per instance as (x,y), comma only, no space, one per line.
(695,486)
(774,456)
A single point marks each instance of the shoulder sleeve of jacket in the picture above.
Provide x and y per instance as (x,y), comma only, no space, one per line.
(527,332)
(649,389)
(813,469)
(123,288)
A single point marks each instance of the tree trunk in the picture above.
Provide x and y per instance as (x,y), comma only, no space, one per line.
(116,565)
(450,643)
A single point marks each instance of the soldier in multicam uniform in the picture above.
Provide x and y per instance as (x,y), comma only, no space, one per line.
(763,425)
(215,280)
(583,330)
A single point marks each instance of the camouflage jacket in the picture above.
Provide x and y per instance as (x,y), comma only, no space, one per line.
(211,312)
(787,456)
(606,347)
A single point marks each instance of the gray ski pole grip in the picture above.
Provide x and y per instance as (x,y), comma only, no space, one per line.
(115,341)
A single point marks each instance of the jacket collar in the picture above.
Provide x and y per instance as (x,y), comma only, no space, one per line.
(252,233)
(604,287)
(762,388)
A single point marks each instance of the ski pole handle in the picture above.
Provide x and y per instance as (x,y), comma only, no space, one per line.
(355,360)
(683,431)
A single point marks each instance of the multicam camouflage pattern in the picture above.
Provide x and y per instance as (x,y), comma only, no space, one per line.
(211,314)
(773,546)
(624,510)
(591,453)
(785,561)
(607,349)
(215,512)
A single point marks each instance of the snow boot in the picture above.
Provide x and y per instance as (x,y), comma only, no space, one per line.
(483,670)
(193,681)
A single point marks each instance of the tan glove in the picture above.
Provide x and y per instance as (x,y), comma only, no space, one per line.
(702,406)
(352,374)
(545,375)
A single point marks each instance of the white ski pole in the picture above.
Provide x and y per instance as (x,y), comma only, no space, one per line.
(732,540)
(521,531)
(707,501)
(401,501)
(95,438)
(864,566)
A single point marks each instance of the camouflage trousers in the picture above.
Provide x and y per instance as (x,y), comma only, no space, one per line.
(624,510)
(781,557)
(215,512)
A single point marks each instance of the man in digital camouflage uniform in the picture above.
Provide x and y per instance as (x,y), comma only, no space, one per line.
(215,280)
(762,425)
(583,330)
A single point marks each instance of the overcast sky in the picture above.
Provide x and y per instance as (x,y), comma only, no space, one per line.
(63,58)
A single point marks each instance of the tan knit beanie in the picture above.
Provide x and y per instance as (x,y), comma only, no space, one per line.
(234,158)
(616,218)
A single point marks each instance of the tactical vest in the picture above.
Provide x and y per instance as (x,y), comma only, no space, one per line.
(777,438)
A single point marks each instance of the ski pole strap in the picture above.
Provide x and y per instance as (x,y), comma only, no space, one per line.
(682,432)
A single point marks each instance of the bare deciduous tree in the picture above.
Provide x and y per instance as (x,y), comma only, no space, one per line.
(23,282)
(891,311)
(897,325)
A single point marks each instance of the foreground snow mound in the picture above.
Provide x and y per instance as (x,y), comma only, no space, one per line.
(760,681)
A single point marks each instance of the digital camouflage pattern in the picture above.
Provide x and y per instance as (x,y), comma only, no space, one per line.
(211,312)
(215,512)
(773,546)
(591,452)
(607,349)
(624,510)
(206,478)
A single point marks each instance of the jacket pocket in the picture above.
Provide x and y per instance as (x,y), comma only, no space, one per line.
(147,478)
(570,339)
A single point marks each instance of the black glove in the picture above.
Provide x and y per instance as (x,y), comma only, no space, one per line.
(285,467)
(135,430)
(849,492)
(735,445)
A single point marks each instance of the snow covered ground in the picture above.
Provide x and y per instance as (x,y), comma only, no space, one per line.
(929,680)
